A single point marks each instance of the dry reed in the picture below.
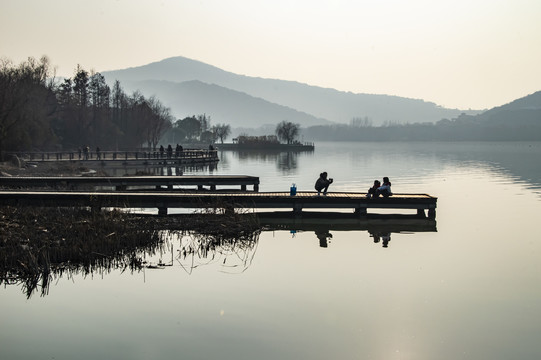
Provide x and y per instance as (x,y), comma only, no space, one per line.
(38,245)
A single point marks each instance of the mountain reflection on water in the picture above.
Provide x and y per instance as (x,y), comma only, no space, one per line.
(403,161)
(468,290)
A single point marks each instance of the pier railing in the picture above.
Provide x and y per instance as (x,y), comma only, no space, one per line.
(115,155)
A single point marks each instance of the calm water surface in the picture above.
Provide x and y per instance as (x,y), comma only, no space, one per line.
(470,290)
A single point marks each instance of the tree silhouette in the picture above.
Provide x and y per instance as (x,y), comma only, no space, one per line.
(287,131)
(222,131)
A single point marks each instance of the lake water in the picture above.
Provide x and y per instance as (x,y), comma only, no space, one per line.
(470,290)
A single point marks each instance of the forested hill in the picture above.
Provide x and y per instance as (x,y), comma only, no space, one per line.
(519,120)
(523,111)
(320,103)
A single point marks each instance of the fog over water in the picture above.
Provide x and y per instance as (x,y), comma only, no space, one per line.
(464,288)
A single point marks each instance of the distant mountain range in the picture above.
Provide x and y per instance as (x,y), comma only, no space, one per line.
(191,87)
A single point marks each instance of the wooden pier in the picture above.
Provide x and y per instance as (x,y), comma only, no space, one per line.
(132,182)
(122,158)
(227,200)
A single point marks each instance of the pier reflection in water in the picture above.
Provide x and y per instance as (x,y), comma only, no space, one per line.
(160,170)
(469,290)
(186,241)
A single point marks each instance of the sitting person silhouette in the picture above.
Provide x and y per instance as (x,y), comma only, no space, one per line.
(385,189)
(372,191)
(322,184)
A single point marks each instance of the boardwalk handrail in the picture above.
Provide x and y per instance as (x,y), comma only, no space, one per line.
(114,155)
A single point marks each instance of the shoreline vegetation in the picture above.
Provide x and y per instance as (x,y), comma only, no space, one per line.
(38,246)
(40,113)
(517,121)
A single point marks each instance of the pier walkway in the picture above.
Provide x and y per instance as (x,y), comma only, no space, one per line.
(119,158)
(132,182)
(227,200)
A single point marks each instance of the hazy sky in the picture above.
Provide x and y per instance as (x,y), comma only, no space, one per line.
(460,54)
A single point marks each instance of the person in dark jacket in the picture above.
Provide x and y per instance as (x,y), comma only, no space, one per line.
(372,192)
(322,184)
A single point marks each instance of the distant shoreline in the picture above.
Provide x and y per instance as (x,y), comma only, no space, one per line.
(281,147)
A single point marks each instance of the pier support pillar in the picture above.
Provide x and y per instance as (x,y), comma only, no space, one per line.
(360,211)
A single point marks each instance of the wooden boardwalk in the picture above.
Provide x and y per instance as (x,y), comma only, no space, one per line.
(228,200)
(123,158)
(132,182)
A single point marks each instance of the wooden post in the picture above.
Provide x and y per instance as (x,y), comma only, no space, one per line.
(432,213)
(162,211)
(256,187)
(361,211)
(229,209)
(421,212)
(243,187)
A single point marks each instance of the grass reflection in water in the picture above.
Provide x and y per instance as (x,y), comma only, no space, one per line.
(40,245)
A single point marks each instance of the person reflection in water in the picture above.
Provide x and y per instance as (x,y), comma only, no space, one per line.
(324,236)
(385,237)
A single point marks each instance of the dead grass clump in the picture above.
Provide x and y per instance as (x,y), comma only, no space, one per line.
(40,244)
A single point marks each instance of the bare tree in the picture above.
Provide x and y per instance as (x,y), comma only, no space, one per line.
(361,122)
(287,131)
(159,122)
(27,104)
(222,131)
